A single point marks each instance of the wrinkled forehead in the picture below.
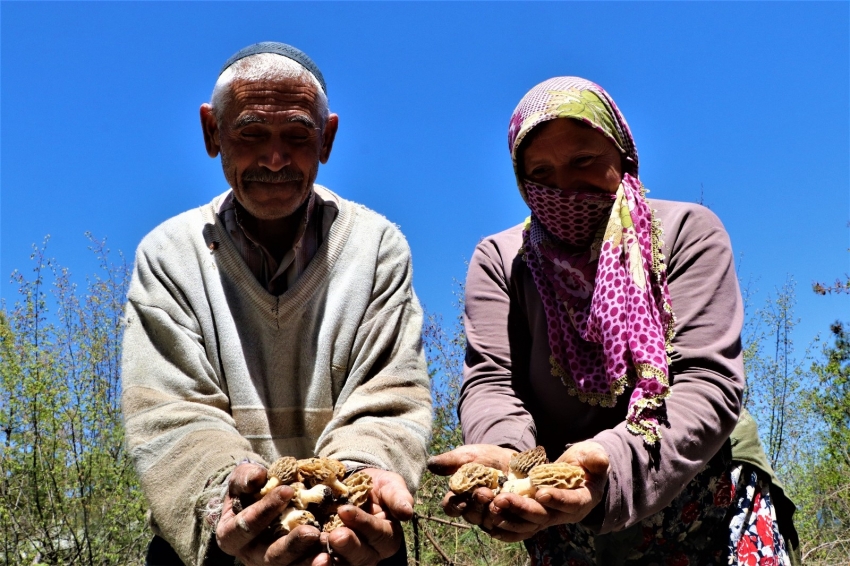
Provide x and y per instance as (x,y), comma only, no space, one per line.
(274,98)
(570,97)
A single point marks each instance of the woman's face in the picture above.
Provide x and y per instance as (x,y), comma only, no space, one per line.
(569,155)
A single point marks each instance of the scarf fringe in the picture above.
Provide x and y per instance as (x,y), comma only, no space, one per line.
(606,400)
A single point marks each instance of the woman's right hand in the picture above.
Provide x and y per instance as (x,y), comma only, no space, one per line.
(475,507)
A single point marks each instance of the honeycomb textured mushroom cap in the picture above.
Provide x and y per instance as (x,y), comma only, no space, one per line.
(359,485)
(559,475)
(332,523)
(522,463)
(318,470)
(285,469)
(313,471)
(472,476)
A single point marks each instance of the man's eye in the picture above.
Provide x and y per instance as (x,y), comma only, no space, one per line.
(299,135)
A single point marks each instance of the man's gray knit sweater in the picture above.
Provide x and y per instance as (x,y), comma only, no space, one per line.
(216,370)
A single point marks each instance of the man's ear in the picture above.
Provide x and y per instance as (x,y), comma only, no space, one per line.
(328,137)
(209,124)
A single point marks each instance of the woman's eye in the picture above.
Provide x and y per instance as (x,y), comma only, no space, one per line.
(583,160)
(539,172)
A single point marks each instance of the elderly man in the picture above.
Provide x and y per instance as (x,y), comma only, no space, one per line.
(277,320)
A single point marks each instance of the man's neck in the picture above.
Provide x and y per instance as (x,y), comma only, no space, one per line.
(277,236)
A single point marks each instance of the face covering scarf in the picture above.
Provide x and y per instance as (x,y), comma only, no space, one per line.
(596,261)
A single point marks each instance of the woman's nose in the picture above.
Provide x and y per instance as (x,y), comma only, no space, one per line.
(565,178)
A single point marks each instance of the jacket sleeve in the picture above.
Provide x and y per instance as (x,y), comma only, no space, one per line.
(175,408)
(383,415)
(490,410)
(707,375)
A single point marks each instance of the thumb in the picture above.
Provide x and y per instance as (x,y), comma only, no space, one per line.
(589,455)
(447,463)
(392,494)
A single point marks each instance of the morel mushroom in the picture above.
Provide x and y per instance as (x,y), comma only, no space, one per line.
(315,471)
(319,491)
(284,471)
(522,462)
(359,486)
(559,475)
(333,523)
(471,476)
(317,495)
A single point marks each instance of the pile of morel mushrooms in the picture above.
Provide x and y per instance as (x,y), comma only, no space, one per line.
(319,491)
(528,471)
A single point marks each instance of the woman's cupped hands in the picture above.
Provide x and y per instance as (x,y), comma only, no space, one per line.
(509,517)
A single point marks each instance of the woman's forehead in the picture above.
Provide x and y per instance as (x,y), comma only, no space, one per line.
(570,97)
(566,134)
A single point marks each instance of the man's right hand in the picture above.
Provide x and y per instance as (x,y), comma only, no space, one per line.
(243,532)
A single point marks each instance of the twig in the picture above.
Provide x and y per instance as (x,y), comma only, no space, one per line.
(825,544)
(437,547)
(444,522)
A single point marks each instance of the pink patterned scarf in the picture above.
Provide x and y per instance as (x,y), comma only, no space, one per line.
(596,260)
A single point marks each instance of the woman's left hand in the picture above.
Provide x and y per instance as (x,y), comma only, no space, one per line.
(517,518)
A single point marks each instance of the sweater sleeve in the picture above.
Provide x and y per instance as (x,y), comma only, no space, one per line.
(707,375)
(490,410)
(179,431)
(382,417)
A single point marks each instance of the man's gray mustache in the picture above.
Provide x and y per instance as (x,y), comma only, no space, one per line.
(282,176)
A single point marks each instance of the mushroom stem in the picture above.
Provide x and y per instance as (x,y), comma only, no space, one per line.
(293,517)
(316,494)
(272,483)
(522,487)
(339,489)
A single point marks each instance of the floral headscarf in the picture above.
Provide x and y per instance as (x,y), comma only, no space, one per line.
(596,260)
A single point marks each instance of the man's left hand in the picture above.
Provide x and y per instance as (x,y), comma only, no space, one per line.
(373,534)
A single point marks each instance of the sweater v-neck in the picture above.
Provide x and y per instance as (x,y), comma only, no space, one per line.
(276,307)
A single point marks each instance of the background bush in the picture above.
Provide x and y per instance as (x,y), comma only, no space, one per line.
(68,494)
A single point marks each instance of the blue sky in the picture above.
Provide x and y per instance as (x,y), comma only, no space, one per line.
(746,104)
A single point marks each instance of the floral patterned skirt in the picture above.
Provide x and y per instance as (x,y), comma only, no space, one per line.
(724,516)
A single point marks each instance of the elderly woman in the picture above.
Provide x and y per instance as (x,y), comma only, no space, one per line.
(606,328)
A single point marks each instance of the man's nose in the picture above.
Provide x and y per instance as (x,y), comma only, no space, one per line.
(275,156)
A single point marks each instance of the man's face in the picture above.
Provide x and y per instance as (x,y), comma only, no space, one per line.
(271,142)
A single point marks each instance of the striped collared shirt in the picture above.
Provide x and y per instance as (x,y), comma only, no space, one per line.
(322,210)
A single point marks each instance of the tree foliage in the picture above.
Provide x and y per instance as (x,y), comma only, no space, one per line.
(823,487)
(775,376)
(68,493)
(802,406)
(432,537)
